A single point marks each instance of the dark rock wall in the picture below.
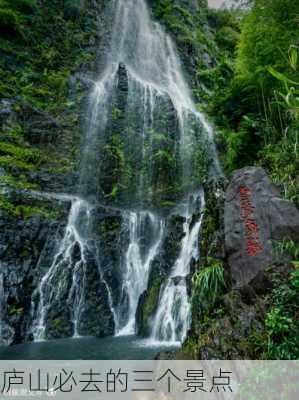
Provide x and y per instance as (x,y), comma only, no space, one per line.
(241,226)
(43,143)
(22,242)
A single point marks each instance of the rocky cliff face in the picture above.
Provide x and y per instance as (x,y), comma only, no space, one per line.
(40,136)
(246,228)
(22,242)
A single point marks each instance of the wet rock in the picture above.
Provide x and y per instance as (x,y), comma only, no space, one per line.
(81,302)
(254,216)
(96,318)
(22,241)
(40,127)
(113,242)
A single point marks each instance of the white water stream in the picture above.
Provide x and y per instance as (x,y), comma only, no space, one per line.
(137,266)
(153,71)
(173,315)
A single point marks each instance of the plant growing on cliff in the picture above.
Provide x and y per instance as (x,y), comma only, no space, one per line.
(208,284)
(287,247)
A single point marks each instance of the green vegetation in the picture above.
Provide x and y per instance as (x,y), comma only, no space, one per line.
(109,228)
(282,325)
(58,327)
(208,284)
(256,109)
(150,306)
(37,62)
(20,157)
(117,171)
(251,92)
(279,339)
(41,45)
(14,14)
(165,169)
(192,36)
(15,310)
(15,209)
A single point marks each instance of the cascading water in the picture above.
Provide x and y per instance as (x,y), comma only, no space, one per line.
(142,108)
(173,316)
(142,226)
(65,280)
(143,140)
(70,259)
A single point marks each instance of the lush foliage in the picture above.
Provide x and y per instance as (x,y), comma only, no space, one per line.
(253,98)
(41,45)
(282,325)
(257,109)
(37,61)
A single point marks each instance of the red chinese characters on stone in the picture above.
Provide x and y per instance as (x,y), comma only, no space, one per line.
(251,227)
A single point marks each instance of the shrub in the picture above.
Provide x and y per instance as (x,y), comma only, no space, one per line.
(10,22)
(25,6)
(282,325)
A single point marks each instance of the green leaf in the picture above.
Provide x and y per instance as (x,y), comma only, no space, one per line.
(281,76)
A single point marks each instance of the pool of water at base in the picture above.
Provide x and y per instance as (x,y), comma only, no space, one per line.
(87,348)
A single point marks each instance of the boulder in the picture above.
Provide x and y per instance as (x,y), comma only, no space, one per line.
(254,216)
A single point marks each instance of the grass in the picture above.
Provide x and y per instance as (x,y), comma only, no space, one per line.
(208,284)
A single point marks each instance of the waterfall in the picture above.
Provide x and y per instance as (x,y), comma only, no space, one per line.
(69,259)
(143,137)
(173,316)
(146,227)
(141,86)
(65,280)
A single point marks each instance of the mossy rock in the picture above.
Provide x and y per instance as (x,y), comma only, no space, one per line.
(148,305)
(59,327)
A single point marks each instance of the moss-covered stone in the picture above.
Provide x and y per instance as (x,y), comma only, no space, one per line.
(149,302)
(41,96)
